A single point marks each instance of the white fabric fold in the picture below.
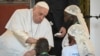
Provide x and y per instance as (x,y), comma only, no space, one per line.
(80,32)
(21,36)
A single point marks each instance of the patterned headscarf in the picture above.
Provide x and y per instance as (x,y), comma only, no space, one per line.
(75,10)
(85,47)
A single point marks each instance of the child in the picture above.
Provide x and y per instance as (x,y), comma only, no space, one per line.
(42,47)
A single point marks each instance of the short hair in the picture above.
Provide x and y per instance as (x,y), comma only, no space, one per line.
(42,47)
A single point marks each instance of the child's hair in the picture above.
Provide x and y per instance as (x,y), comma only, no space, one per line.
(42,47)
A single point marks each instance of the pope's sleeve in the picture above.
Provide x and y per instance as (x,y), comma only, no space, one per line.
(21,36)
(16,25)
(49,34)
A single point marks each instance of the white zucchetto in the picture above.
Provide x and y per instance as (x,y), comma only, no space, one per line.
(42,4)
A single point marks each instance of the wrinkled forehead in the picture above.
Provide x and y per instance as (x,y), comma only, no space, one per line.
(42,10)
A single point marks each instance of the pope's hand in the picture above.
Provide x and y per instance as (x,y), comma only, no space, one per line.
(31,40)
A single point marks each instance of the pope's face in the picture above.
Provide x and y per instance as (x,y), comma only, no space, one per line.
(39,13)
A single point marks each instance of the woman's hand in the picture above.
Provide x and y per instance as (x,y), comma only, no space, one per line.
(31,40)
(62,31)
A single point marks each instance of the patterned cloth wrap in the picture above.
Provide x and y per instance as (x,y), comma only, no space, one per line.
(80,32)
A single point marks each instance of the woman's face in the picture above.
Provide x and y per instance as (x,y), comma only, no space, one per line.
(66,16)
(69,19)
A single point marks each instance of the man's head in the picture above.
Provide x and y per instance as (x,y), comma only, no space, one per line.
(40,10)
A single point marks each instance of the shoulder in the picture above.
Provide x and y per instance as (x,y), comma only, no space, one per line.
(46,22)
(67,48)
(73,47)
(66,51)
(22,11)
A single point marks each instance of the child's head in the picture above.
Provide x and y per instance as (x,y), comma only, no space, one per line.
(42,47)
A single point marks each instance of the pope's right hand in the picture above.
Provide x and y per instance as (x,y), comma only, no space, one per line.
(31,40)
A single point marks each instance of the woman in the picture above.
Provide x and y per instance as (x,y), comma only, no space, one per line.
(78,35)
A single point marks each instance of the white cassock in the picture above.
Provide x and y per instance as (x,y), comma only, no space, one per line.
(19,28)
(70,51)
